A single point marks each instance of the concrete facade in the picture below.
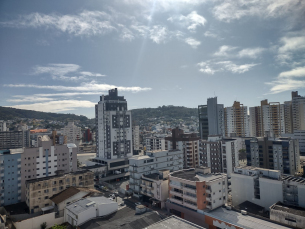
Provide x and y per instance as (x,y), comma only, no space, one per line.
(215,117)
(265,187)
(198,189)
(73,133)
(151,163)
(38,191)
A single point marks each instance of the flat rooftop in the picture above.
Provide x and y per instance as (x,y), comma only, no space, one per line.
(243,221)
(190,174)
(124,218)
(289,209)
(173,222)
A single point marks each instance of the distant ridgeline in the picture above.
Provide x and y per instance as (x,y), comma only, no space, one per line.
(168,112)
(8,113)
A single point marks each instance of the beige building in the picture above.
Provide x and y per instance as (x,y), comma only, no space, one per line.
(38,191)
(198,189)
(154,187)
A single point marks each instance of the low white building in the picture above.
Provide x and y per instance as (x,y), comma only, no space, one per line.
(154,187)
(265,187)
(83,210)
(151,163)
(289,215)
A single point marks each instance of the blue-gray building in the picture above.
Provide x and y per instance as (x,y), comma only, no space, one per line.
(10,177)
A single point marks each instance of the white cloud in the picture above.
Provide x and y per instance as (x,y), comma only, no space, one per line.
(212,66)
(192,42)
(288,80)
(24,98)
(229,10)
(64,71)
(250,52)
(193,20)
(223,50)
(56,106)
(85,23)
(158,34)
(210,34)
(84,87)
(297,72)
(234,68)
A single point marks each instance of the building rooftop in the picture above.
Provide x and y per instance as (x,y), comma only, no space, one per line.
(243,221)
(124,218)
(56,176)
(289,209)
(69,192)
(173,222)
(191,175)
(80,206)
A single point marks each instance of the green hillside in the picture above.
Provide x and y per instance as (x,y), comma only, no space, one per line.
(8,113)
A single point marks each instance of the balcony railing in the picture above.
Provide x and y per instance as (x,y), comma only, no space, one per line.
(189,190)
(176,201)
(190,205)
(176,193)
(190,198)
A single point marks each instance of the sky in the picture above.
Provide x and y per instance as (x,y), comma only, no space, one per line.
(60,56)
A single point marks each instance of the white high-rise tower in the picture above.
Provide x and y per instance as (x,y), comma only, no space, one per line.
(114,129)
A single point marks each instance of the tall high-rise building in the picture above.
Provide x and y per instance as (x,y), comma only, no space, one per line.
(269,117)
(2,125)
(14,139)
(237,121)
(188,143)
(203,121)
(215,117)
(114,129)
(73,133)
(298,111)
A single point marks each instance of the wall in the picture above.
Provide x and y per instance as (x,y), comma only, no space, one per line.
(281,217)
(85,216)
(34,223)
(105,209)
(77,196)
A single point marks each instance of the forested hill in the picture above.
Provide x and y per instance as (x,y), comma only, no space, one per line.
(8,113)
(167,112)
(143,114)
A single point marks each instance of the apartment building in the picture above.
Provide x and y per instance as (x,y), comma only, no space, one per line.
(236,120)
(14,139)
(269,117)
(265,187)
(298,111)
(2,125)
(281,154)
(300,136)
(151,163)
(136,138)
(73,133)
(215,117)
(221,154)
(188,143)
(10,177)
(38,191)
(154,187)
(198,189)
(114,129)
(154,143)
(203,121)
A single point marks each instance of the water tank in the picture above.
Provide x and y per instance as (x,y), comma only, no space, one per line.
(244,212)
(140,209)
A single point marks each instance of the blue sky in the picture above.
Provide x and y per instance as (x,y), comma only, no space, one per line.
(60,56)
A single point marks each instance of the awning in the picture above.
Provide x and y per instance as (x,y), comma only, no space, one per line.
(47,208)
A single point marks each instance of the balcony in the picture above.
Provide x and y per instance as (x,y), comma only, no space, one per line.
(209,206)
(176,186)
(208,199)
(176,193)
(189,190)
(209,191)
(176,201)
(190,198)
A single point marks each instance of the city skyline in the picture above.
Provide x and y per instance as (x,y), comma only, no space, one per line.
(60,57)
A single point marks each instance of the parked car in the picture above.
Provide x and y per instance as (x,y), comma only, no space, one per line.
(96,186)
(116,193)
(138,203)
(122,204)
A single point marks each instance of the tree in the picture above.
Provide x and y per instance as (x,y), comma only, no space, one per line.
(43,225)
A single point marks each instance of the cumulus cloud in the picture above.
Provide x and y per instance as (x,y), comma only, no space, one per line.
(192,42)
(212,66)
(56,106)
(68,72)
(190,21)
(158,34)
(223,50)
(250,52)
